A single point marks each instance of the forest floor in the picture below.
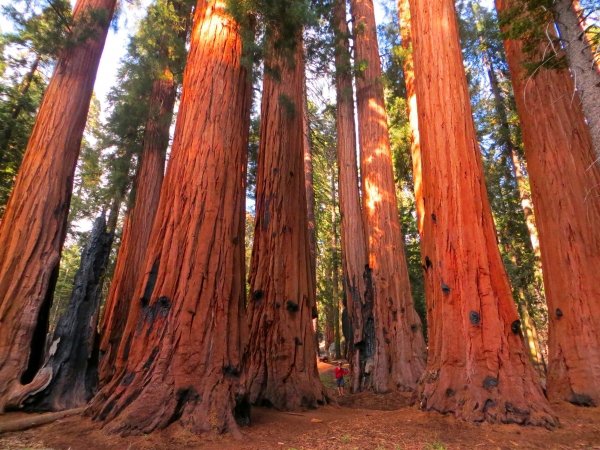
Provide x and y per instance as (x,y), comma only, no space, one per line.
(361,421)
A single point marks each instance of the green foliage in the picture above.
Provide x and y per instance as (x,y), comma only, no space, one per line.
(20,96)
(69,264)
(42,26)
(532,21)
(327,215)
(156,48)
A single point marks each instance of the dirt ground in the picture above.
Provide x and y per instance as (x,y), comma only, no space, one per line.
(363,421)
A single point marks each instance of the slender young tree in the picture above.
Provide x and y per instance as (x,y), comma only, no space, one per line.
(564,179)
(181,349)
(399,354)
(33,228)
(477,368)
(361,345)
(281,367)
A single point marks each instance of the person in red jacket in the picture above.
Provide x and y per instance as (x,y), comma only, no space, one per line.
(339,377)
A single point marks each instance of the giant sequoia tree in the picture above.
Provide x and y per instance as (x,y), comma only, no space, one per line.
(34,224)
(477,368)
(355,261)
(399,353)
(181,350)
(565,178)
(157,75)
(281,367)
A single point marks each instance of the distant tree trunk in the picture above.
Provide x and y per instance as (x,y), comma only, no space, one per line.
(564,181)
(399,357)
(586,73)
(33,228)
(359,299)
(181,349)
(281,366)
(69,377)
(335,269)
(477,368)
(413,114)
(138,223)
(310,199)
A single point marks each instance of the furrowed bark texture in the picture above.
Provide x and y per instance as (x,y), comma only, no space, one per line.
(359,299)
(33,227)
(69,377)
(586,72)
(399,357)
(310,199)
(565,184)
(138,223)
(511,162)
(478,368)
(281,365)
(413,114)
(181,349)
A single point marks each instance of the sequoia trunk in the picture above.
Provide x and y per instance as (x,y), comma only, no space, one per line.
(281,367)
(478,368)
(361,343)
(138,223)
(586,72)
(33,228)
(69,376)
(411,105)
(564,180)
(310,199)
(399,354)
(181,349)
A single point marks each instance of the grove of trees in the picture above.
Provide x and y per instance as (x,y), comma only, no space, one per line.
(274,182)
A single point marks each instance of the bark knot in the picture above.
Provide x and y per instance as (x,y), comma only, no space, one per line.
(292,306)
(490,382)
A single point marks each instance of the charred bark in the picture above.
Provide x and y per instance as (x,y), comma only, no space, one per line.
(180,353)
(399,354)
(564,178)
(477,368)
(281,368)
(69,377)
(33,228)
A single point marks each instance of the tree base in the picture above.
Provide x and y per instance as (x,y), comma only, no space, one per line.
(496,401)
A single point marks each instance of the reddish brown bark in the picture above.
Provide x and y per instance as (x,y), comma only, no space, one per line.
(413,114)
(361,343)
(564,183)
(399,354)
(181,349)
(310,198)
(138,223)
(33,228)
(478,368)
(281,365)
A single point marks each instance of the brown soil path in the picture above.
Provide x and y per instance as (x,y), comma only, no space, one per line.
(363,421)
